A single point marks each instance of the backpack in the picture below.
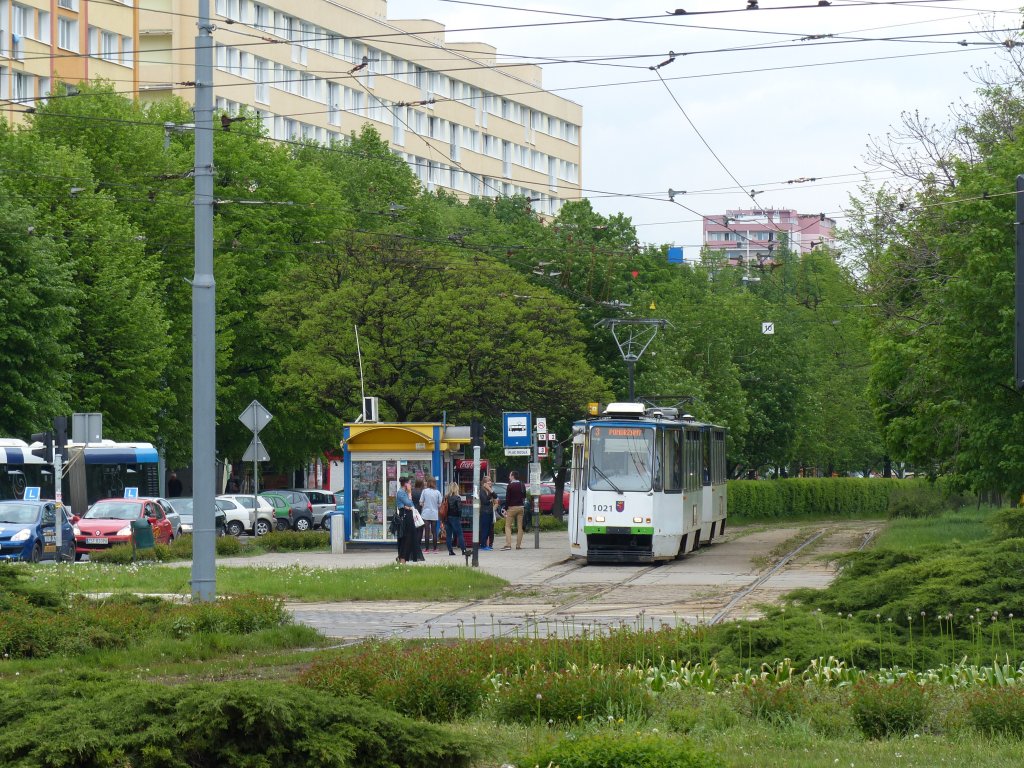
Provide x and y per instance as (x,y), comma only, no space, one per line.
(442,510)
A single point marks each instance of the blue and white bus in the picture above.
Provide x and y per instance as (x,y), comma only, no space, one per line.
(21,469)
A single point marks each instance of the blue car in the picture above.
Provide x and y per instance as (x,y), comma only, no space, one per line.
(27,531)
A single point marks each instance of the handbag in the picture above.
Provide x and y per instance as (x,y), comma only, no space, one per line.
(417,518)
(442,511)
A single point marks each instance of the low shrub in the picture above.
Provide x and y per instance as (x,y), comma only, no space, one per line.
(881,710)
(622,750)
(811,497)
(997,711)
(248,723)
(431,682)
(776,704)
(1008,523)
(916,500)
(290,541)
(698,712)
(179,549)
(552,523)
(571,695)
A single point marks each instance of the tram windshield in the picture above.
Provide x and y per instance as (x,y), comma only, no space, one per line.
(621,458)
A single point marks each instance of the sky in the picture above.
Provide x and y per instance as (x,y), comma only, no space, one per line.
(751,101)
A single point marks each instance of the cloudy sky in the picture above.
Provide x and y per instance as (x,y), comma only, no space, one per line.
(770,100)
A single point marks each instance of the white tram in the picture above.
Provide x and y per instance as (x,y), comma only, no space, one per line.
(647,485)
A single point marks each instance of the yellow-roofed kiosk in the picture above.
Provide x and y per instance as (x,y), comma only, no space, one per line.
(376,454)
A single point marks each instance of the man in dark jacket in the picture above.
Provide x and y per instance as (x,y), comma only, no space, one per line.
(515,503)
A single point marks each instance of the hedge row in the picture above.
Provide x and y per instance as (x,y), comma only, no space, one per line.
(64,721)
(815,497)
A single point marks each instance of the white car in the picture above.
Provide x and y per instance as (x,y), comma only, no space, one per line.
(248,514)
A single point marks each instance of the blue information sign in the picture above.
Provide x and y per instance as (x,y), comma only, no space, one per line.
(517,429)
(675,255)
(32,493)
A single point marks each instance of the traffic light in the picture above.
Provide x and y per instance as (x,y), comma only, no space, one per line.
(46,452)
(60,436)
(476,433)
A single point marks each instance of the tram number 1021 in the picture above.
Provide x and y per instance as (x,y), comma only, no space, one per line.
(601,507)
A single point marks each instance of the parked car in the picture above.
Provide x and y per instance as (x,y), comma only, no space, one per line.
(237,517)
(169,511)
(303,517)
(547,498)
(284,514)
(323,504)
(109,522)
(184,505)
(28,531)
(260,522)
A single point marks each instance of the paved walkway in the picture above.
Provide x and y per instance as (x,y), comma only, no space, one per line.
(550,593)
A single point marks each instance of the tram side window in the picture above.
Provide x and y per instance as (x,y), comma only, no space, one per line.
(672,460)
(718,457)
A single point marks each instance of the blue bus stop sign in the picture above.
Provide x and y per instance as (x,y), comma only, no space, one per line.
(517,429)
(675,255)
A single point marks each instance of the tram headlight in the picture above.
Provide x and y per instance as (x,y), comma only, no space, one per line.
(599,519)
(638,520)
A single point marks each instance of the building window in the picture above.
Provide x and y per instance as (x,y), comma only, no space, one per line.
(128,51)
(43,33)
(22,87)
(108,46)
(67,34)
(71,5)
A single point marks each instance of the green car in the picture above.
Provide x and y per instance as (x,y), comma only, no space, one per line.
(290,513)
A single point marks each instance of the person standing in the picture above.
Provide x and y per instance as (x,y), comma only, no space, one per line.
(515,503)
(173,486)
(487,500)
(431,502)
(405,528)
(453,522)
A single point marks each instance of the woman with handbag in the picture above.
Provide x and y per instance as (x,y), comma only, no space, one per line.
(453,522)
(406,530)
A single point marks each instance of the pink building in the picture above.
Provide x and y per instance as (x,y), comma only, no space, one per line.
(757,235)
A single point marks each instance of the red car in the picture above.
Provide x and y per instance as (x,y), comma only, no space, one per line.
(547,498)
(109,522)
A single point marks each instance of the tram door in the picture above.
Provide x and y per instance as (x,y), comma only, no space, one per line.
(577,499)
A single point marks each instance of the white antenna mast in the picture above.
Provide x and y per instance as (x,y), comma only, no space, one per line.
(359,354)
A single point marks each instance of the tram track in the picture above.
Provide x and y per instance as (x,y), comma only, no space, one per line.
(745,591)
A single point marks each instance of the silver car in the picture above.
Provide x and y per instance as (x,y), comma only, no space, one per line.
(323,505)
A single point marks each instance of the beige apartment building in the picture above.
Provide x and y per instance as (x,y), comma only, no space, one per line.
(318,70)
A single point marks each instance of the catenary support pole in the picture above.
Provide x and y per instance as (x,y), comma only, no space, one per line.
(204,359)
(476,506)
(1018,356)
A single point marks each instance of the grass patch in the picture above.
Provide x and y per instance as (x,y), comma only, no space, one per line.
(388,582)
(952,528)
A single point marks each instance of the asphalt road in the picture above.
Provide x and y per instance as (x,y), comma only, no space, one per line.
(551,593)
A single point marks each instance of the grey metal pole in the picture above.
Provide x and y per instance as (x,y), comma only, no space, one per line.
(476,506)
(536,497)
(1018,356)
(58,496)
(204,355)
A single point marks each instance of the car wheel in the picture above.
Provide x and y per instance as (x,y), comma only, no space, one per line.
(326,522)
(235,528)
(282,524)
(303,524)
(37,553)
(262,527)
(78,557)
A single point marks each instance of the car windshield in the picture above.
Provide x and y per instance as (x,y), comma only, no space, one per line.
(620,458)
(183,507)
(112,510)
(19,513)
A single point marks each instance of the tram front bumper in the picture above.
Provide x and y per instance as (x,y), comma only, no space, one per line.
(610,544)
